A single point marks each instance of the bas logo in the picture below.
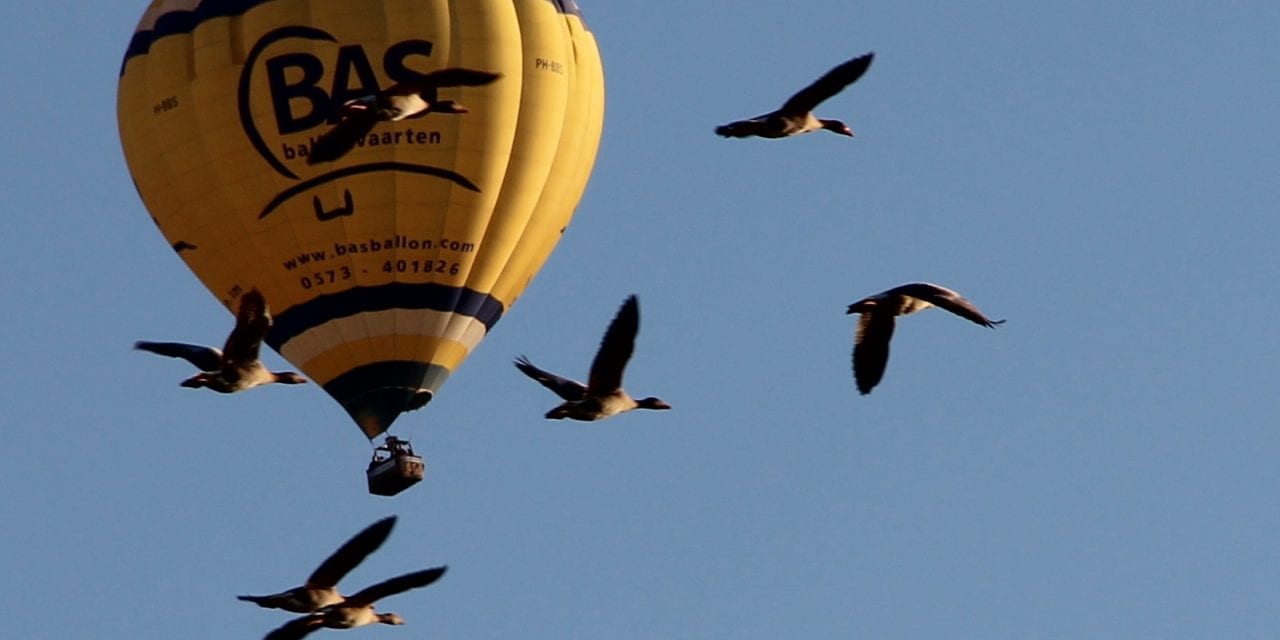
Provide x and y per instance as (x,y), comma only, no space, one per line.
(300,102)
(298,99)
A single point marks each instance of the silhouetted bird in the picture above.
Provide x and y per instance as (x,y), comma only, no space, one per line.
(357,611)
(237,366)
(603,395)
(397,102)
(796,115)
(875,325)
(321,588)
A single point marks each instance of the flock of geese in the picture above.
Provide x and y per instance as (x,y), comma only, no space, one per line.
(237,367)
(321,603)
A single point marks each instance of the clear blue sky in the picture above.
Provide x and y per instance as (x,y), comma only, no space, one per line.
(1104,175)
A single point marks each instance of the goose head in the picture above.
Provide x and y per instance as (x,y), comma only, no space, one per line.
(390,618)
(289,377)
(835,126)
(651,403)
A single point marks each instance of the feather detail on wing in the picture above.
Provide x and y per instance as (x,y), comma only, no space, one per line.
(392,586)
(336,142)
(831,83)
(945,298)
(615,350)
(204,358)
(871,349)
(350,554)
(567,389)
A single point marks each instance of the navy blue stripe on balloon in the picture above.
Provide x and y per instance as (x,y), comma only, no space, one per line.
(568,7)
(376,394)
(185,21)
(299,319)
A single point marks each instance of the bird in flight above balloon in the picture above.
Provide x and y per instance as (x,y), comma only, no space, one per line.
(236,367)
(602,396)
(357,610)
(876,322)
(321,588)
(400,101)
(796,115)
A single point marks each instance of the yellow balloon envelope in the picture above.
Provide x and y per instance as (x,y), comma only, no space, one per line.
(386,267)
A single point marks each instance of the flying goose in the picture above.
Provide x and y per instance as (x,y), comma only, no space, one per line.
(237,366)
(321,590)
(603,395)
(875,325)
(357,610)
(398,102)
(796,114)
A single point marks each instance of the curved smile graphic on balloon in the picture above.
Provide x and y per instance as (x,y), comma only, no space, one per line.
(372,167)
(246,83)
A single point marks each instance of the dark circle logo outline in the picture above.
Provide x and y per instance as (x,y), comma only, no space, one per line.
(246,76)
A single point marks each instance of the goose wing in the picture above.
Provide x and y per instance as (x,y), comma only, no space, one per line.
(570,390)
(871,349)
(615,350)
(945,298)
(204,358)
(252,323)
(742,128)
(398,584)
(357,121)
(454,77)
(831,83)
(350,554)
(296,628)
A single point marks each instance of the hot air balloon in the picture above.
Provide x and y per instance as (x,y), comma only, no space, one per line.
(386,265)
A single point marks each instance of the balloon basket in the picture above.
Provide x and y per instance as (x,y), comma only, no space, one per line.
(394,468)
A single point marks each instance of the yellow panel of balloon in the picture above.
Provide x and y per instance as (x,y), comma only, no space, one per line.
(390,174)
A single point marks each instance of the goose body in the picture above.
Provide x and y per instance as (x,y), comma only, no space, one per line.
(398,102)
(796,116)
(236,367)
(876,321)
(357,610)
(321,587)
(603,396)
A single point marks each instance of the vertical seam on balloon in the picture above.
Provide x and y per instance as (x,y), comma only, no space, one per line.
(385,37)
(459,324)
(535,212)
(532,211)
(551,204)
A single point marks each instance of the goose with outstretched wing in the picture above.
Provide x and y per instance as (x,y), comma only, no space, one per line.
(236,366)
(603,396)
(876,324)
(357,610)
(321,587)
(400,101)
(796,116)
